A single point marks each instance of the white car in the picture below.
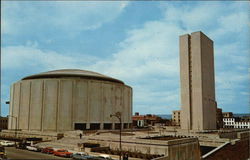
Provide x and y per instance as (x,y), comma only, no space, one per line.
(32,148)
(105,156)
(7,143)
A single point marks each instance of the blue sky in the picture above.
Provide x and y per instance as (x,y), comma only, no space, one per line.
(136,42)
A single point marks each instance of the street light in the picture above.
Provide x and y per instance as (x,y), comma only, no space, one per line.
(15,127)
(118,115)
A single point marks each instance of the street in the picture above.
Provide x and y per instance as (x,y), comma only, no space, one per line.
(13,153)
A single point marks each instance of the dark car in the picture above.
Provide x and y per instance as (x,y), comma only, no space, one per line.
(87,157)
(94,158)
(2,152)
(79,155)
(22,145)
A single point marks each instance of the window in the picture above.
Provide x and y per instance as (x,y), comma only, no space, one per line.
(80,126)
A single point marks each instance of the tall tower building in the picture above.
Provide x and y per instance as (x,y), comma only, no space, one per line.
(198,105)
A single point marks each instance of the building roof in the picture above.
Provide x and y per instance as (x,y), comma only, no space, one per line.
(72,73)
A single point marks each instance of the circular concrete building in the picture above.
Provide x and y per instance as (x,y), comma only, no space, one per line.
(64,100)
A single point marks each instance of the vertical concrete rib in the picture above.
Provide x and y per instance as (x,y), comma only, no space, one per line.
(102,107)
(29,106)
(73,104)
(18,115)
(12,100)
(57,103)
(190,82)
(42,108)
(88,110)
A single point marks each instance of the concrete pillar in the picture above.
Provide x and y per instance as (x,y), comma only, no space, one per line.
(101,126)
(113,125)
(88,126)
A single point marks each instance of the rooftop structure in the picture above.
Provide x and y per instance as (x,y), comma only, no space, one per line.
(227,114)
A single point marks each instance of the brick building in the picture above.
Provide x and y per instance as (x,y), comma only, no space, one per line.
(3,123)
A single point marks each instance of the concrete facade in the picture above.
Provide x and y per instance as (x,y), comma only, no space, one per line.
(198,104)
(65,100)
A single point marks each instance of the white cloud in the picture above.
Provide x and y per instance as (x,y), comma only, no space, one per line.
(23,17)
(16,57)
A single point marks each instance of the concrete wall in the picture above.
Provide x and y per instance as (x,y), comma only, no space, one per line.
(186,106)
(57,104)
(197,106)
(178,149)
(208,83)
(184,150)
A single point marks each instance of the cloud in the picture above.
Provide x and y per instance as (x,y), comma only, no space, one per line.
(33,17)
(148,56)
(18,57)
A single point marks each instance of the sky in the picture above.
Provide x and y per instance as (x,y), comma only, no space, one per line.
(134,41)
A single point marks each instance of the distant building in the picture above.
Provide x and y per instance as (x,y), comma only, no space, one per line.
(219,118)
(198,102)
(148,120)
(3,123)
(176,118)
(138,120)
(242,124)
(236,122)
(227,114)
(245,118)
(229,121)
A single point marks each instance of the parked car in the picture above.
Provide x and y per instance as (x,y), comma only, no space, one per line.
(2,153)
(105,156)
(79,155)
(7,143)
(33,148)
(48,150)
(22,145)
(87,157)
(63,153)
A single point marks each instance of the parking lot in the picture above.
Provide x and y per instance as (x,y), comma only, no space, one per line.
(13,153)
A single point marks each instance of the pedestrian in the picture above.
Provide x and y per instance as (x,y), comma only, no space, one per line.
(80,136)
(125,156)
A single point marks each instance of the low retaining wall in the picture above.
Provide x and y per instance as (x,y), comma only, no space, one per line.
(179,149)
(25,134)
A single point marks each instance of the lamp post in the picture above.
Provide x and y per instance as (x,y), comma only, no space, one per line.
(15,127)
(118,115)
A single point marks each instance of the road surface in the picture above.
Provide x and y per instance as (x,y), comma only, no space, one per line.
(13,153)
